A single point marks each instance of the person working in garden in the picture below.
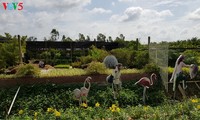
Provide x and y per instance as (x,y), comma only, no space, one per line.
(177,75)
(117,84)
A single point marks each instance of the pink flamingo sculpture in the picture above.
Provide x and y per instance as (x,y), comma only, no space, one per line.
(81,94)
(146,83)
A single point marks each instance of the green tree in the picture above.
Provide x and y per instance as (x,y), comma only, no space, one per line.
(87,38)
(66,39)
(63,38)
(9,50)
(123,55)
(122,37)
(32,38)
(141,59)
(192,57)
(54,35)
(110,39)
(101,37)
(97,54)
(120,40)
(51,56)
(81,37)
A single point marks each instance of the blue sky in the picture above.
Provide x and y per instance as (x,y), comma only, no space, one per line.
(163,20)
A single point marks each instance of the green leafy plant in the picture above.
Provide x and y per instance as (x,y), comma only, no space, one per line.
(76,64)
(123,55)
(97,54)
(28,70)
(141,59)
(151,67)
(50,56)
(96,68)
(86,59)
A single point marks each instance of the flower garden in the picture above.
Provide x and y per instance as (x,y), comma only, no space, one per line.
(52,101)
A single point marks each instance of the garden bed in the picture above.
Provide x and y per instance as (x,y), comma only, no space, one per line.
(100,79)
(44,100)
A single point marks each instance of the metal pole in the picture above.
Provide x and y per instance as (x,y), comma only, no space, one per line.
(137,43)
(20,51)
(149,41)
(13,100)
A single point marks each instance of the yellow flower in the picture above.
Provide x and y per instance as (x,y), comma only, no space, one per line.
(57,113)
(198,107)
(145,108)
(97,104)
(118,109)
(84,105)
(114,106)
(21,112)
(50,110)
(36,114)
(194,100)
(113,110)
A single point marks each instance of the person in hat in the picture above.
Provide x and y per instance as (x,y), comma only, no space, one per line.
(177,75)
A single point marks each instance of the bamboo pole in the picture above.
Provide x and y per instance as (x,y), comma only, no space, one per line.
(13,100)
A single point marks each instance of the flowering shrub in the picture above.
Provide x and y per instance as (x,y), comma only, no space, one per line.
(180,110)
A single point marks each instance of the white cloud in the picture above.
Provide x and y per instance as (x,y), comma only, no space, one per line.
(113,3)
(9,17)
(130,14)
(149,13)
(126,0)
(171,3)
(184,31)
(100,10)
(134,13)
(42,19)
(56,4)
(195,15)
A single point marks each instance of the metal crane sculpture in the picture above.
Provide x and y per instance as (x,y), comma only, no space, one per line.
(146,83)
(81,94)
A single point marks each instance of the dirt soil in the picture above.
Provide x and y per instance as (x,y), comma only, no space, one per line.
(100,79)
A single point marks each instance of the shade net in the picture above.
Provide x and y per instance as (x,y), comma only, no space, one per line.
(158,54)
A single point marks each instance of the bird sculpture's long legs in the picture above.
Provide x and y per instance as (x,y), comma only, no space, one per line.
(144,95)
(174,95)
(114,93)
(80,101)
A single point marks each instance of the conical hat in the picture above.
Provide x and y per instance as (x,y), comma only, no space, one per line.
(193,70)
